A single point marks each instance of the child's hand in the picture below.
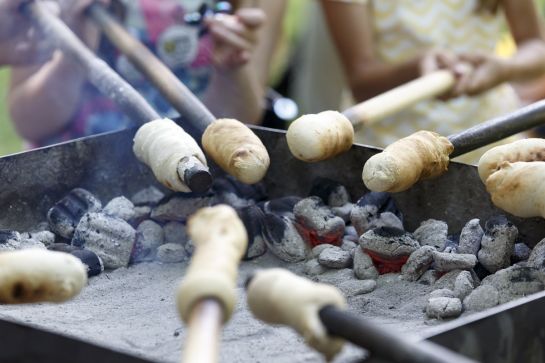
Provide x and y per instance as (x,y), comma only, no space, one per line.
(485,72)
(235,36)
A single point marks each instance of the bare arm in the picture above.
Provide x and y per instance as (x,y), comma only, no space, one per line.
(350,25)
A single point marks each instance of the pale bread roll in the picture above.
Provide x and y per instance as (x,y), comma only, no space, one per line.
(422,155)
(161,145)
(37,275)
(277,296)
(319,137)
(220,241)
(520,150)
(237,150)
(519,188)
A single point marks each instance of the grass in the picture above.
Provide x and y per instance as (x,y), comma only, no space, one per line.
(9,141)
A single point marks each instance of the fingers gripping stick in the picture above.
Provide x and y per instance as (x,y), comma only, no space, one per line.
(35,275)
(277,296)
(220,240)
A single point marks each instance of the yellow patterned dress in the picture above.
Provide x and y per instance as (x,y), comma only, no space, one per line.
(403,30)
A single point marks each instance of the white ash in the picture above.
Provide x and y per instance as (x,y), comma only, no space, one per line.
(470,237)
(8,235)
(447,280)
(352,288)
(364,269)
(338,197)
(432,233)
(515,281)
(141,213)
(30,243)
(175,232)
(521,252)
(171,253)
(429,277)
(442,293)
(497,244)
(149,236)
(537,256)
(445,262)
(335,277)
(313,215)
(112,239)
(335,257)
(316,250)
(120,207)
(343,211)
(349,245)
(389,242)
(418,262)
(482,298)
(313,267)
(370,208)
(463,285)
(45,237)
(351,233)
(386,219)
(331,192)
(149,196)
(179,208)
(443,307)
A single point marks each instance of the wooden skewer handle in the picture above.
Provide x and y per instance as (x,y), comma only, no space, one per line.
(204,333)
(399,98)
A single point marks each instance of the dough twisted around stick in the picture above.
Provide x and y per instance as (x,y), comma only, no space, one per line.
(237,150)
(520,150)
(422,155)
(277,296)
(519,188)
(161,145)
(220,242)
(36,275)
(321,136)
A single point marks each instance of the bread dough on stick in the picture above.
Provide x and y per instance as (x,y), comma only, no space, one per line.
(422,155)
(321,136)
(36,275)
(237,150)
(220,241)
(519,188)
(161,145)
(277,296)
(520,150)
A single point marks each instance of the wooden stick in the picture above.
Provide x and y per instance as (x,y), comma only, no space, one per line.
(399,98)
(108,82)
(204,333)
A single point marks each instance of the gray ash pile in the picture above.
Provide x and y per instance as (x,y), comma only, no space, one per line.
(358,246)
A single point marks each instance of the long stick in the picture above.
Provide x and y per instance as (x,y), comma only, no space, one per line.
(194,173)
(204,332)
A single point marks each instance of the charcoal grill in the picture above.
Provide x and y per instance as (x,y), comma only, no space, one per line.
(104,164)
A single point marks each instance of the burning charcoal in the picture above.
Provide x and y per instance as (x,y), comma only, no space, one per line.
(62,247)
(443,307)
(112,239)
(419,261)
(171,253)
(388,247)
(120,207)
(149,236)
(463,285)
(229,185)
(313,267)
(429,277)
(315,252)
(453,261)
(317,224)
(336,277)
(45,237)
(442,293)
(343,212)
(432,233)
(149,196)
(179,208)
(370,207)
(537,256)
(521,252)
(386,219)
(90,260)
(497,243)
(140,214)
(514,282)
(331,192)
(482,298)
(470,237)
(357,287)
(282,238)
(349,246)
(335,257)
(7,235)
(363,266)
(252,217)
(65,215)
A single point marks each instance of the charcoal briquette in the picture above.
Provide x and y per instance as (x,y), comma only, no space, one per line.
(470,237)
(90,260)
(120,207)
(444,262)
(335,257)
(171,253)
(9,235)
(317,223)
(432,232)
(253,218)
(332,193)
(149,196)
(497,243)
(364,269)
(419,261)
(443,307)
(282,238)
(521,252)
